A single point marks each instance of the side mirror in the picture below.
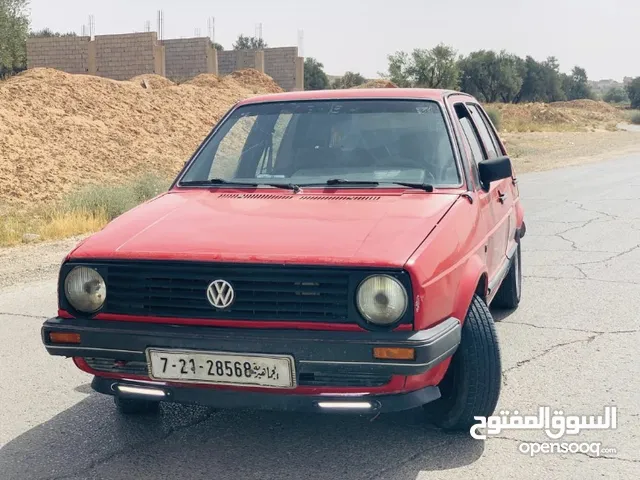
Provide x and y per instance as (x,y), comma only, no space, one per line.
(494,169)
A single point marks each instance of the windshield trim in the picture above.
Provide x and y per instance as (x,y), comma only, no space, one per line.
(441,103)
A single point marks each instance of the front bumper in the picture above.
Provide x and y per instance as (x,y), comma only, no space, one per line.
(231,399)
(328,352)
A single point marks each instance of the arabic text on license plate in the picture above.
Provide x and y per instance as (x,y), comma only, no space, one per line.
(221,368)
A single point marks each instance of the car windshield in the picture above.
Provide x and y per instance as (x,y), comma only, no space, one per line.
(312,142)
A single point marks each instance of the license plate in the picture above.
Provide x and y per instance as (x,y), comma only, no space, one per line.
(221,368)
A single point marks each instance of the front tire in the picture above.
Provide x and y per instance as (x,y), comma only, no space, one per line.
(471,386)
(130,406)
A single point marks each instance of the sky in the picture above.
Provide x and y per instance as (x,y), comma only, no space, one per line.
(602,36)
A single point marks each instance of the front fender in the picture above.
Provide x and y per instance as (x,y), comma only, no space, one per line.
(474,279)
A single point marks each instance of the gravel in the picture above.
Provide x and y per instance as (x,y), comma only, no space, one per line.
(33,262)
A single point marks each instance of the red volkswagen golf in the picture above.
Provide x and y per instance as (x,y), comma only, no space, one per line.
(321,251)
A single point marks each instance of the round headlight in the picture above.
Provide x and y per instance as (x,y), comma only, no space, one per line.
(85,289)
(381,299)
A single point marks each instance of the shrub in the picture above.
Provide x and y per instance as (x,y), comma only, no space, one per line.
(113,200)
(616,95)
(635,118)
(109,200)
(496,117)
(633,91)
(84,211)
(149,185)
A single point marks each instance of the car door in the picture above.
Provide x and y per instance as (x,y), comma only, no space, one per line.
(471,139)
(502,192)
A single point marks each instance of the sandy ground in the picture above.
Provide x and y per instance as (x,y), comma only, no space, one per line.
(32,262)
(539,151)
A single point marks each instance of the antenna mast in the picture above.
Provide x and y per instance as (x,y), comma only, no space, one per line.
(92,26)
(301,43)
(211,24)
(160,25)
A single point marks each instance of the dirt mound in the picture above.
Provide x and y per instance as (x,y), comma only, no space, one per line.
(207,80)
(253,79)
(154,82)
(249,79)
(378,83)
(59,131)
(586,104)
(575,115)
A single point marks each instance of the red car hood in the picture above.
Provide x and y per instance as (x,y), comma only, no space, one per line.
(380,230)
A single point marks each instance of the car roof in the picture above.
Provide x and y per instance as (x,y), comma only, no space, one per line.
(355,93)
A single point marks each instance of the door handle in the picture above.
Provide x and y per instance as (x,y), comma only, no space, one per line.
(501,196)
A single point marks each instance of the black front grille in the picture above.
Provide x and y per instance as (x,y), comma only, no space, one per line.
(109,365)
(173,289)
(338,378)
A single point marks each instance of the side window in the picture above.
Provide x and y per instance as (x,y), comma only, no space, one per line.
(492,131)
(488,139)
(472,139)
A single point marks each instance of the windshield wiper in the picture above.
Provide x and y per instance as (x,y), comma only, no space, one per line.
(221,181)
(422,186)
(342,181)
(218,181)
(286,186)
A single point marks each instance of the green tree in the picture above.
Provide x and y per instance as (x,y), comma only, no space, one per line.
(249,43)
(616,95)
(218,47)
(349,80)
(429,68)
(633,91)
(46,32)
(542,81)
(576,85)
(399,69)
(553,80)
(315,77)
(491,77)
(14,28)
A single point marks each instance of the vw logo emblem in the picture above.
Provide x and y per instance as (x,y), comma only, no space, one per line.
(220,294)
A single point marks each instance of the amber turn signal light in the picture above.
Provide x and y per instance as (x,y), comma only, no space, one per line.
(385,353)
(63,337)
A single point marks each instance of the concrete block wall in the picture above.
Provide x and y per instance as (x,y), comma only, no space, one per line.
(69,54)
(280,64)
(187,57)
(122,57)
(247,59)
(232,60)
(227,61)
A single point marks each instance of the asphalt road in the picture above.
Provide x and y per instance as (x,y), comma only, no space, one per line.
(572,344)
